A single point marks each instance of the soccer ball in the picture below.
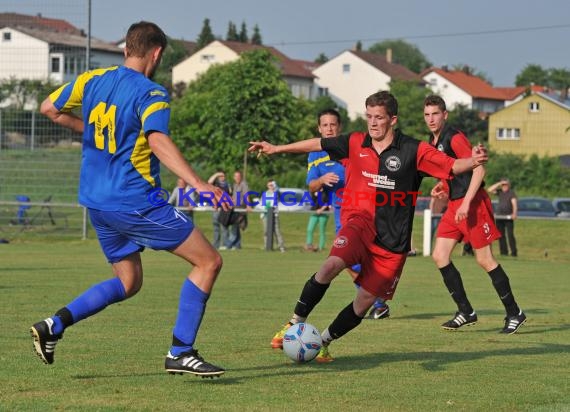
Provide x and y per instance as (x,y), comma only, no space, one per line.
(302,342)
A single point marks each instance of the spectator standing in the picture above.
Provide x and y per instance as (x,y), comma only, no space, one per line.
(506,215)
(239,198)
(271,204)
(220,241)
(174,198)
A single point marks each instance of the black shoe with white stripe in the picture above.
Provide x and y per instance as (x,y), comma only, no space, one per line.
(44,340)
(513,323)
(191,362)
(460,319)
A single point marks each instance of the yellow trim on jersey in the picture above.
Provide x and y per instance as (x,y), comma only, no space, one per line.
(140,158)
(76,96)
(318,161)
(153,108)
(55,94)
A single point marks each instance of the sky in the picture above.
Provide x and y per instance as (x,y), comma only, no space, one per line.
(495,37)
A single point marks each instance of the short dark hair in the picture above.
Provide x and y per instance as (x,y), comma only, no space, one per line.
(332,112)
(143,37)
(435,100)
(385,99)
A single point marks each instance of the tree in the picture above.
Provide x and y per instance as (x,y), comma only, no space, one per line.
(410,97)
(232,104)
(22,92)
(559,79)
(206,36)
(232,34)
(174,53)
(403,53)
(468,121)
(358,46)
(256,37)
(243,37)
(532,74)
(321,58)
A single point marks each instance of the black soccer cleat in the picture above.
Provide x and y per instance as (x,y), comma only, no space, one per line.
(513,323)
(44,340)
(460,319)
(379,313)
(191,362)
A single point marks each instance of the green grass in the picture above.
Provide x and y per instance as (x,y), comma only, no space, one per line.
(114,361)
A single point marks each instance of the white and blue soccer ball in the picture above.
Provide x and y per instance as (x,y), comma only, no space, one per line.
(302,342)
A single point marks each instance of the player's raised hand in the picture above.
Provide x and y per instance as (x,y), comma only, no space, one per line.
(262,148)
(219,199)
(479,154)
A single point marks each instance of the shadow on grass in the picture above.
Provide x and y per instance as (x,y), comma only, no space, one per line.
(480,314)
(430,361)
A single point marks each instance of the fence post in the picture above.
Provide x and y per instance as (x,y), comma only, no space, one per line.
(84,224)
(427,232)
(0,130)
(33,130)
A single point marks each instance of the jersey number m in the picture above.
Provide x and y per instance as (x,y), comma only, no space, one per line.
(104,119)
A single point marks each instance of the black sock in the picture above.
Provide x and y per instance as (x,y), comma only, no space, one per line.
(312,294)
(503,287)
(65,315)
(454,284)
(345,321)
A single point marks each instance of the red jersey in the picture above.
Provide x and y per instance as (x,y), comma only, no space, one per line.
(385,186)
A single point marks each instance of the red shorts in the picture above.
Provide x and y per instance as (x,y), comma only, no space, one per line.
(381,269)
(478,229)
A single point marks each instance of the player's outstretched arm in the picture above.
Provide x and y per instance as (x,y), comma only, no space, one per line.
(303,146)
(64,119)
(478,157)
(169,154)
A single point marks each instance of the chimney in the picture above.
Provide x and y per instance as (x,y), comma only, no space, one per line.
(445,68)
(389,55)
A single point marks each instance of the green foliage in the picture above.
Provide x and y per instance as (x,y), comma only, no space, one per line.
(468,121)
(256,37)
(231,105)
(321,58)
(403,53)
(174,53)
(533,175)
(410,107)
(532,74)
(206,36)
(232,34)
(22,92)
(560,79)
(243,37)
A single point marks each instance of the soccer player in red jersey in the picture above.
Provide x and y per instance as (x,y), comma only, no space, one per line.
(469,218)
(380,164)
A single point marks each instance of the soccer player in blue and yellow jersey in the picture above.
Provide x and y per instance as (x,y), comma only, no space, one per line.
(124,122)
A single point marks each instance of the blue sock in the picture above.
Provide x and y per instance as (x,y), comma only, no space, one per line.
(190,312)
(93,300)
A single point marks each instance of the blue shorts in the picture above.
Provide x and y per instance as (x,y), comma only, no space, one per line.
(123,233)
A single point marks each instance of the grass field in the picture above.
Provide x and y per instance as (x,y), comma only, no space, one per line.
(114,361)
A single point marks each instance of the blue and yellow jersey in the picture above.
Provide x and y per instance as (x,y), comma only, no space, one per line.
(120,106)
(319,164)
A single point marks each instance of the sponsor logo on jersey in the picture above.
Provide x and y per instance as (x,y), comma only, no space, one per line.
(340,242)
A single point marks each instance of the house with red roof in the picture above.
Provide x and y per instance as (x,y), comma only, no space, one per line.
(296,73)
(41,48)
(350,77)
(460,87)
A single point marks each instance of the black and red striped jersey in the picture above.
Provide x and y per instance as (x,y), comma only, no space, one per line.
(385,185)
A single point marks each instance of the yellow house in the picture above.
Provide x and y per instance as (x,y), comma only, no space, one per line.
(538,124)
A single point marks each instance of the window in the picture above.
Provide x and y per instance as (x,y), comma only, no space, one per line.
(533,107)
(55,64)
(504,133)
(323,91)
(7,36)
(208,58)
(346,68)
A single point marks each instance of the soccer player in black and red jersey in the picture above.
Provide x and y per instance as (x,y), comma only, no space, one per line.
(384,169)
(469,217)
